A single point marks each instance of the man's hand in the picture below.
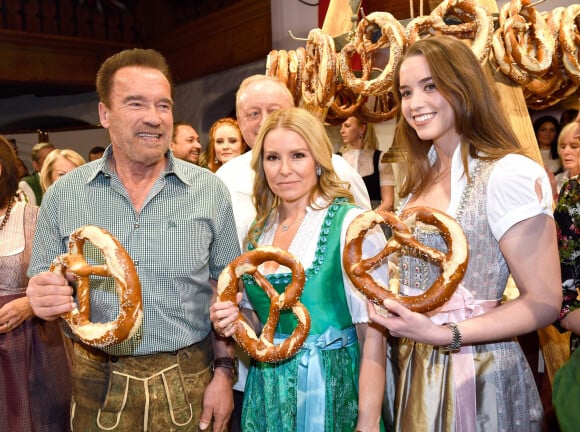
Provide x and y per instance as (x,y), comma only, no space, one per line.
(50,295)
(218,401)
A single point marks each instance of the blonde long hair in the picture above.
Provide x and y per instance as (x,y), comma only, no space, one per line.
(479,119)
(328,186)
(48,166)
(369,139)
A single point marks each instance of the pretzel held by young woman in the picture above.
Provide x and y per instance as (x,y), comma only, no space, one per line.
(453,264)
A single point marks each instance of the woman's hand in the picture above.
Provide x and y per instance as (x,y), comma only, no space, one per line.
(224,314)
(14,313)
(401,322)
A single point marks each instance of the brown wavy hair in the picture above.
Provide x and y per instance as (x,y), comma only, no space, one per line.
(485,130)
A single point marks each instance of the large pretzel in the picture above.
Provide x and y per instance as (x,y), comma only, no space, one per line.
(263,348)
(118,265)
(453,263)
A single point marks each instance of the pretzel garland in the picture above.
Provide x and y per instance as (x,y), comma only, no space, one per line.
(538,51)
(263,348)
(523,45)
(118,265)
(570,41)
(476,27)
(453,263)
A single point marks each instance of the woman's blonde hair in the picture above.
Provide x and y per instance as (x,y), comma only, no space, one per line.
(566,130)
(479,119)
(48,166)
(369,139)
(311,130)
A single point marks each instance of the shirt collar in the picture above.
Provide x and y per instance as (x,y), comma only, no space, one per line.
(103,165)
(457,169)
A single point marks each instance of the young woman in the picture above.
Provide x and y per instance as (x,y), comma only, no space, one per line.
(547,129)
(225,143)
(360,149)
(461,368)
(35,385)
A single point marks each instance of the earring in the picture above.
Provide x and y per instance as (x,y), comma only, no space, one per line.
(215,160)
(360,136)
(318,170)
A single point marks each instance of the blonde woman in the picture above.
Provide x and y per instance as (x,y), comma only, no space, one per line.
(360,149)
(303,207)
(58,163)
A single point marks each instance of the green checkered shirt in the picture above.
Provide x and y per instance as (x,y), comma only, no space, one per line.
(184,235)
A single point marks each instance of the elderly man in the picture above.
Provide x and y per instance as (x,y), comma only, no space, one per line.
(176,222)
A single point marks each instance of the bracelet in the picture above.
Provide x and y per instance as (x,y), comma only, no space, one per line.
(456,341)
(226,362)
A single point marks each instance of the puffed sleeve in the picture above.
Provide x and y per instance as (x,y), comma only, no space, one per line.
(518,189)
(373,243)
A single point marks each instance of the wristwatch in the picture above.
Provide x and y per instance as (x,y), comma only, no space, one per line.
(226,362)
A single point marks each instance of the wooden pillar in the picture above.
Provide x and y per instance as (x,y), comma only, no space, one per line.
(511,98)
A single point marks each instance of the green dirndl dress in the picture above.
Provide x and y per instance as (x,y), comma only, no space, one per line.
(317,389)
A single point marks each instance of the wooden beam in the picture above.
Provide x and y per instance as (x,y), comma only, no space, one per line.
(511,98)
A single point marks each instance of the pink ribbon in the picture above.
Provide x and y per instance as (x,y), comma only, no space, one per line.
(461,306)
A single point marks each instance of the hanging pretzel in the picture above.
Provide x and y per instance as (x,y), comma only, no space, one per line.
(263,348)
(453,264)
(118,265)
(391,35)
(319,76)
(523,46)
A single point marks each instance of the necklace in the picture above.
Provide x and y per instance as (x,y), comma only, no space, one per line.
(7,214)
(285,227)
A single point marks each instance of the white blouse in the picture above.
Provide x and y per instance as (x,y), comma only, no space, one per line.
(12,239)
(362,161)
(511,191)
(304,245)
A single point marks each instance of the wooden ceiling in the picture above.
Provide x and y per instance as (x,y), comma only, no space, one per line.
(50,48)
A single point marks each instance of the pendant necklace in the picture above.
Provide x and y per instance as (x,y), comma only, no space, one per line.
(286,227)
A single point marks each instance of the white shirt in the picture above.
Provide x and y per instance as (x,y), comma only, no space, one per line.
(511,194)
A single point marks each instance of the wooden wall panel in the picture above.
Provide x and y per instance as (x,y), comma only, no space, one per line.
(237,35)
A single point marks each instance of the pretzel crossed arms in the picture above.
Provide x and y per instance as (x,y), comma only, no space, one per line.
(453,265)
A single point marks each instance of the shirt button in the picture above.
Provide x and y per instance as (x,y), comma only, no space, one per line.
(136,263)
(136,225)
